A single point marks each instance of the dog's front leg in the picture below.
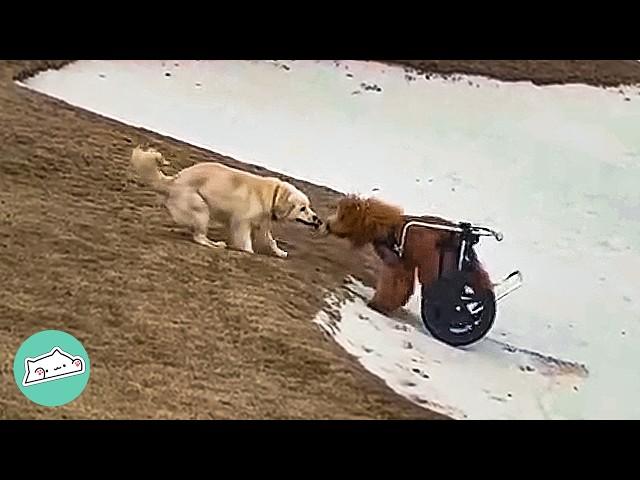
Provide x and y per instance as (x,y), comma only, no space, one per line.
(266,240)
(277,251)
(241,236)
(395,286)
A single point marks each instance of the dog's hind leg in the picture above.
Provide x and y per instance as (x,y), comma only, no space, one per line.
(191,210)
(200,235)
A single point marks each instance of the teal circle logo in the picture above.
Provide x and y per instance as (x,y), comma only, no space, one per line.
(51,368)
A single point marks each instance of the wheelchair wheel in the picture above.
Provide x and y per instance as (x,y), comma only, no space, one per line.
(454,313)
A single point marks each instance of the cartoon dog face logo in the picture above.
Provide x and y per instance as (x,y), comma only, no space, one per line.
(55,365)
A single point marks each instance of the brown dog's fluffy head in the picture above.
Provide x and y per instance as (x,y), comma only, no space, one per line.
(363,220)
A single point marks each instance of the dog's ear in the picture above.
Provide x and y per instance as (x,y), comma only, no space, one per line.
(282,204)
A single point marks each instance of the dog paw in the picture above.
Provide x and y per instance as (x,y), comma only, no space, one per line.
(203,240)
(281,254)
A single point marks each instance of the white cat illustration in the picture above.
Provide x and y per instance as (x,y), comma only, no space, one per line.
(55,365)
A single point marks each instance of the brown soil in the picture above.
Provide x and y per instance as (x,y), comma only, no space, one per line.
(600,73)
(173,329)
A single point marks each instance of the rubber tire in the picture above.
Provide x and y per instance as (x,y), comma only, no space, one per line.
(439,310)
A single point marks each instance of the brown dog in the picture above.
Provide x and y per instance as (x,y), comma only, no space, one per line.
(371,221)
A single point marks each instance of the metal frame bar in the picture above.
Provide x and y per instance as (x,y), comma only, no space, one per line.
(514,287)
(480,231)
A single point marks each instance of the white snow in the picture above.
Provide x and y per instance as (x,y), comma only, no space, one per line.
(555,168)
(434,375)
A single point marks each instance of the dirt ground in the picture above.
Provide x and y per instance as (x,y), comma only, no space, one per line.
(173,329)
(601,73)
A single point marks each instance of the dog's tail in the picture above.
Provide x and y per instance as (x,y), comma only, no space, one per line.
(145,163)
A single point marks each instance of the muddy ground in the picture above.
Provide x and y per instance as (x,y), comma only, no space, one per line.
(600,73)
(173,329)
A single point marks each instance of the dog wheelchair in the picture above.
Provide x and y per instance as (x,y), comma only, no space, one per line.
(451,309)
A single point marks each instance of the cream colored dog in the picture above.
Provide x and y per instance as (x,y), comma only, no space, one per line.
(246,203)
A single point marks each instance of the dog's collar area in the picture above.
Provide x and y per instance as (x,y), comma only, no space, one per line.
(274,217)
